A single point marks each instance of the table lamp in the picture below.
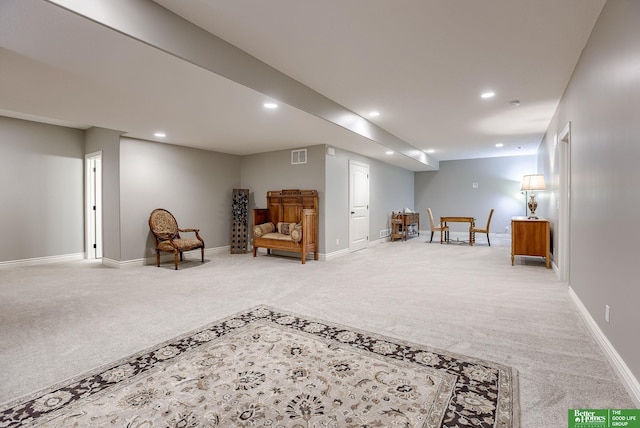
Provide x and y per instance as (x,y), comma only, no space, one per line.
(532,183)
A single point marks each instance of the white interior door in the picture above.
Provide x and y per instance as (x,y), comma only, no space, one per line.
(358,205)
(93,206)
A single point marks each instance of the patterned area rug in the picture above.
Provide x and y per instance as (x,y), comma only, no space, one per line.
(270,368)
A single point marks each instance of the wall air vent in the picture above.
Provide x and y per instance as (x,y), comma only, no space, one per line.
(298,156)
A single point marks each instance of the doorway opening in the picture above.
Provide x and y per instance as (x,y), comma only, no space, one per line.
(93,205)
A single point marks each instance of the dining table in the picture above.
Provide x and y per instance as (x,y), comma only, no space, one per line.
(444,232)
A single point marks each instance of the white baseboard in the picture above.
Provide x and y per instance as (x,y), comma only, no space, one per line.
(122,264)
(379,241)
(164,258)
(334,254)
(625,375)
(167,257)
(346,251)
(42,260)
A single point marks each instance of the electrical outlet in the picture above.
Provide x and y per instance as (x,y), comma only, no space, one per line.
(607,313)
(337,241)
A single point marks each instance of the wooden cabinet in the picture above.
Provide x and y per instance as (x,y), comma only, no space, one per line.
(404,224)
(530,238)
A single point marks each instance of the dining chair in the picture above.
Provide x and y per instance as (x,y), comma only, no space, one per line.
(483,230)
(435,228)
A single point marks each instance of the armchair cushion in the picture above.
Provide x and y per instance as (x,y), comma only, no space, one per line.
(285,228)
(180,244)
(277,236)
(165,226)
(264,228)
(296,233)
(282,232)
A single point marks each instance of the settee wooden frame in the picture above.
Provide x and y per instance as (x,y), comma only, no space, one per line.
(289,206)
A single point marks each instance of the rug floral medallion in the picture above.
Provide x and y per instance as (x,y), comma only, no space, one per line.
(269,368)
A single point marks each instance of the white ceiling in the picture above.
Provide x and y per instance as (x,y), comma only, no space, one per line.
(421,63)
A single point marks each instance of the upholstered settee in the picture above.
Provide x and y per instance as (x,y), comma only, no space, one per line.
(289,223)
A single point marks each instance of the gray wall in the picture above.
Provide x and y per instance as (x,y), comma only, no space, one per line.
(602,102)
(41,189)
(139,176)
(194,185)
(390,189)
(450,192)
(337,201)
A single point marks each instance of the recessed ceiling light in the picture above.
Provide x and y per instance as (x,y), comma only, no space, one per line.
(389,152)
(488,94)
(499,145)
(160,134)
(270,105)
(374,113)
(514,103)
(430,151)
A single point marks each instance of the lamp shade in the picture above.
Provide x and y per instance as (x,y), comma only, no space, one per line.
(533,182)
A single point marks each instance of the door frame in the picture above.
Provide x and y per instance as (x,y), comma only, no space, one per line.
(564,215)
(93,205)
(352,248)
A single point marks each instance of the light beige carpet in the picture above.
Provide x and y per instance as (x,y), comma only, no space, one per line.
(267,367)
(58,321)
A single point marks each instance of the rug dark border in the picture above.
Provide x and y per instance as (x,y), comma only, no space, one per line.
(503,390)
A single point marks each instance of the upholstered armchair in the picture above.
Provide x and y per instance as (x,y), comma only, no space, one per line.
(166,232)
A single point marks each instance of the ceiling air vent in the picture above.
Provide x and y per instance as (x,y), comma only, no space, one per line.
(298,156)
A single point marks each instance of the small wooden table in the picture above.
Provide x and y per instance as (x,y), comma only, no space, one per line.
(444,220)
